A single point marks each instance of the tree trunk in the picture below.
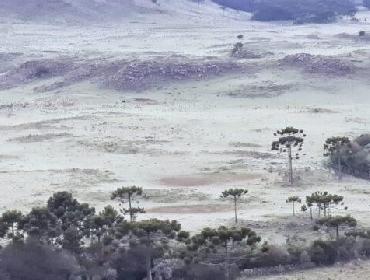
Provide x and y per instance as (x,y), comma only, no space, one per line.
(339,165)
(293,209)
(311,213)
(227,263)
(290,165)
(236,210)
(337,232)
(148,267)
(148,260)
(130,208)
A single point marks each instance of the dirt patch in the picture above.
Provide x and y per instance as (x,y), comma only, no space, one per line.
(207,179)
(266,89)
(245,153)
(191,209)
(114,146)
(7,157)
(145,101)
(40,137)
(46,124)
(319,110)
(119,146)
(174,195)
(244,145)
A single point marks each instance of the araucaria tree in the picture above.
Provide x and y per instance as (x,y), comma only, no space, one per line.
(10,225)
(324,201)
(128,195)
(151,234)
(235,194)
(333,148)
(290,141)
(338,221)
(293,200)
(207,246)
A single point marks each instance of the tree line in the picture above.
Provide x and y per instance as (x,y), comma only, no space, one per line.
(70,240)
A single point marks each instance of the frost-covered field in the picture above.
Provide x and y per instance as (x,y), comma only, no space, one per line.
(183,141)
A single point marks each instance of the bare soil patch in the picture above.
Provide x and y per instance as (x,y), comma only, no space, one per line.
(207,179)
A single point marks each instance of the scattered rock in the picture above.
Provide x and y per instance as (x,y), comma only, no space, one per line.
(317,64)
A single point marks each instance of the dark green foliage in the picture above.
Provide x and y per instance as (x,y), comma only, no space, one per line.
(100,225)
(334,144)
(338,221)
(333,148)
(129,263)
(61,237)
(299,11)
(11,225)
(128,194)
(210,242)
(366,3)
(32,261)
(237,48)
(324,201)
(268,256)
(293,200)
(323,252)
(64,222)
(290,140)
(200,272)
(353,157)
(235,194)
(41,223)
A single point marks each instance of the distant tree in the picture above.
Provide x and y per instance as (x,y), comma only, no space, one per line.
(205,246)
(10,225)
(64,222)
(304,208)
(333,148)
(42,225)
(338,221)
(73,218)
(151,232)
(324,201)
(309,203)
(293,200)
(289,139)
(366,3)
(105,220)
(129,194)
(235,194)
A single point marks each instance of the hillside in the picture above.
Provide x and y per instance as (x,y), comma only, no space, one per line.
(67,10)
(103,11)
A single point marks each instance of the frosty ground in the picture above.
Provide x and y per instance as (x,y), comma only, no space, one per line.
(184,141)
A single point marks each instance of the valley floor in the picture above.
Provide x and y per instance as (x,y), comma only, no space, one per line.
(184,143)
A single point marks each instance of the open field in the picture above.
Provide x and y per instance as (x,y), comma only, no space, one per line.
(184,140)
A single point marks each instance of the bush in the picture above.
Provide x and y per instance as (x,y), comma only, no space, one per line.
(269,256)
(299,11)
(323,252)
(200,272)
(32,261)
(354,157)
